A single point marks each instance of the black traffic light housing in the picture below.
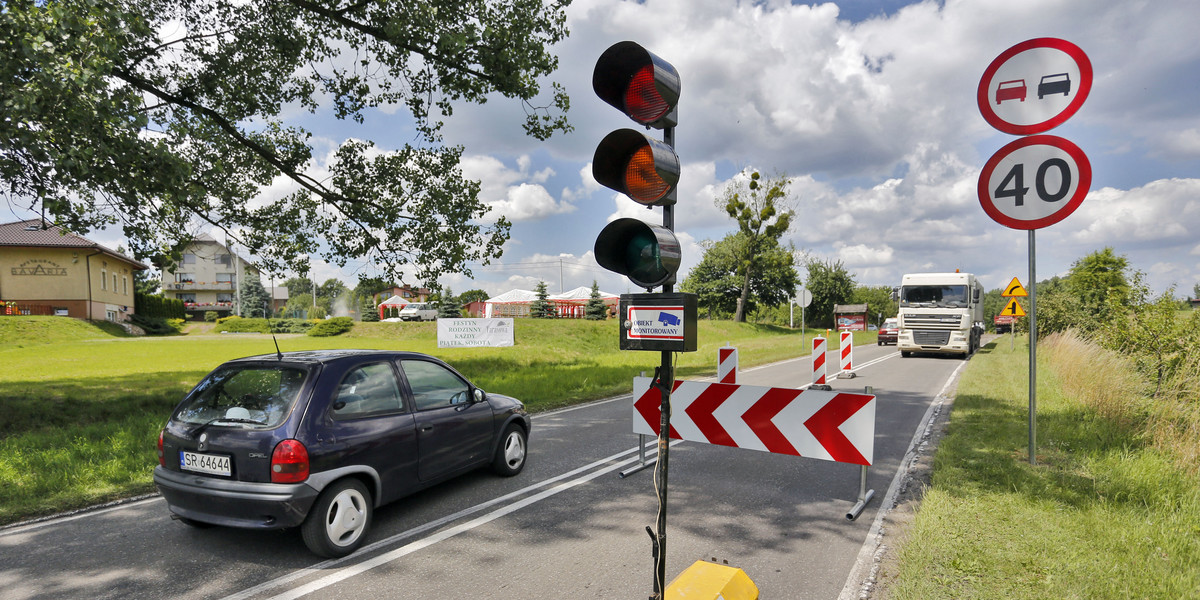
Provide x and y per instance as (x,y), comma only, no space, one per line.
(638,166)
(648,255)
(639,84)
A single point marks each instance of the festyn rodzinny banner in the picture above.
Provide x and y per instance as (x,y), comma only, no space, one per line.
(474,333)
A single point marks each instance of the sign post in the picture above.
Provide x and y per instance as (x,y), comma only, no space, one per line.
(1060,75)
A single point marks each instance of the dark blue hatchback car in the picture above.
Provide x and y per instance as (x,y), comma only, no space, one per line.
(320,439)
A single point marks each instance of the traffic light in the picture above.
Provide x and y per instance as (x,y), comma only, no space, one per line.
(638,83)
(646,89)
(640,167)
(647,254)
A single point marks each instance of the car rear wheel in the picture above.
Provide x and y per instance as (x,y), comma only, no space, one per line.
(510,454)
(338,522)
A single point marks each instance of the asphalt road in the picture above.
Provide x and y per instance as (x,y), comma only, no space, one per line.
(567,527)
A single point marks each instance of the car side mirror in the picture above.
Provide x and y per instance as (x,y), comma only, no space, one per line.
(479,395)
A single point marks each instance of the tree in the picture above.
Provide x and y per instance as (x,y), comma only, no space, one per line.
(830,284)
(164,115)
(254,298)
(368,312)
(755,206)
(542,308)
(595,309)
(449,307)
(718,284)
(879,302)
(1096,277)
(470,296)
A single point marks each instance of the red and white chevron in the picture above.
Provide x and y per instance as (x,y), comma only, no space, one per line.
(727,365)
(836,426)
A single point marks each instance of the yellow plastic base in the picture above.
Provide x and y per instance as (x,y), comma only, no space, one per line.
(709,581)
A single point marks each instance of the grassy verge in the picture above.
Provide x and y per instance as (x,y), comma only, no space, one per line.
(1107,512)
(82,409)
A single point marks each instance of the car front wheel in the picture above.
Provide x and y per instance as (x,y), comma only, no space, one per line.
(510,454)
(338,521)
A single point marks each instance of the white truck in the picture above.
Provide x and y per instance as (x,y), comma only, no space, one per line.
(940,313)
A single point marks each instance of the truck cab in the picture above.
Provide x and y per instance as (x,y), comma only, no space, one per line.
(940,313)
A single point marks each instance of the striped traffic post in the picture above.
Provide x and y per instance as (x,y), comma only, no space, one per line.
(818,361)
(847,352)
(727,364)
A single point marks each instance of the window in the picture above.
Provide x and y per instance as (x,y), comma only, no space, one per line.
(433,386)
(125,285)
(226,278)
(114,283)
(187,298)
(189,259)
(224,259)
(367,390)
(250,397)
(225,298)
(184,278)
(103,280)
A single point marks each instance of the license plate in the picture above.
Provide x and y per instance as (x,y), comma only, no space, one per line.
(212,464)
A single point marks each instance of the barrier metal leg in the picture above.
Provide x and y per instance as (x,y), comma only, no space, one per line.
(864,496)
(642,464)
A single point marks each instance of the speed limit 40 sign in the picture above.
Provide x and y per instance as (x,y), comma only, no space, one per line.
(1034,182)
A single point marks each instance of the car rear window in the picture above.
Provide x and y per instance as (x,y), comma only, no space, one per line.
(244,395)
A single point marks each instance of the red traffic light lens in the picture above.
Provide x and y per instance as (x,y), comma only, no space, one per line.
(643,103)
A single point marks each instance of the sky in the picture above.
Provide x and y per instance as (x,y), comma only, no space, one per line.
(869,108)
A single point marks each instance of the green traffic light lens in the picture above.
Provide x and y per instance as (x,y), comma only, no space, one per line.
(642,258)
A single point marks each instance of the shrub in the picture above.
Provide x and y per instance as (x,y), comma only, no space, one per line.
(211,316)
(154,325)
(331,327)
(242,325)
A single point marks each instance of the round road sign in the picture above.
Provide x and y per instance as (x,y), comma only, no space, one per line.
(1034,182)
(804,298)
(1034,86)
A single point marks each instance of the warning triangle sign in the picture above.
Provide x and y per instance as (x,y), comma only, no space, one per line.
(1015,289)
(1013,309)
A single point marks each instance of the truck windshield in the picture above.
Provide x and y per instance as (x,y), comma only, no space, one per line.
(933,295)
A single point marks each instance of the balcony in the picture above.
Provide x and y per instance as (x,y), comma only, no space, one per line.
(189,286)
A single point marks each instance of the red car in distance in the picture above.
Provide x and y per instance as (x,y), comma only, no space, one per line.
(889,331)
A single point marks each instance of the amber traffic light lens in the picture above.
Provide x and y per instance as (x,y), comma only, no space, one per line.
(642,100)
(641,178)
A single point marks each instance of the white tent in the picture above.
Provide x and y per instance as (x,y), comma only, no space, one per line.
(390,302)
(513,303)
(583,293)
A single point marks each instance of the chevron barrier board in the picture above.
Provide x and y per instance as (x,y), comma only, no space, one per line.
(836,426)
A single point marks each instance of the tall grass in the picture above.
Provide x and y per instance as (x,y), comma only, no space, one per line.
(1104,514)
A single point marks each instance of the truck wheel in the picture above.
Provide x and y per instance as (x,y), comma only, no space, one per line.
(905,354)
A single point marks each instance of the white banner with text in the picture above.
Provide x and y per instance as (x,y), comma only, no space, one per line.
(474,333)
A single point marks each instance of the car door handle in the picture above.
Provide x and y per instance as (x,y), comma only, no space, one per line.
(425,428)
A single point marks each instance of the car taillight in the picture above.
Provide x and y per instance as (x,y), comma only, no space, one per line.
(162,459)
(289,462)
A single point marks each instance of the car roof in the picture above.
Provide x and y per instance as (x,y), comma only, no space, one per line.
(327,356)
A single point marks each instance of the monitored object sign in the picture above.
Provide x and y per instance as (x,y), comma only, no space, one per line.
(664,322)
(1034,182)
(1034,86)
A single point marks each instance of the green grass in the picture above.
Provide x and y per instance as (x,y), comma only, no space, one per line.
(82,408)
(1102,515)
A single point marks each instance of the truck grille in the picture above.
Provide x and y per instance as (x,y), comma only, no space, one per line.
(949,321)
(930,337)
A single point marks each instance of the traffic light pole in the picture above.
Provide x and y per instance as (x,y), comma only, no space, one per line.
(666,381)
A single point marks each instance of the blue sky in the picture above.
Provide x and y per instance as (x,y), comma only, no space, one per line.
(869,107)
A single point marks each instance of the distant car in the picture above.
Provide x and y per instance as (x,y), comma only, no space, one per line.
(889,331)
(1011,90)
(318,440)
(1058,83)
(418,311)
